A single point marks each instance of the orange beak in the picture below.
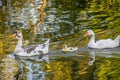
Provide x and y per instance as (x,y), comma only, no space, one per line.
(14,35)
(86,34)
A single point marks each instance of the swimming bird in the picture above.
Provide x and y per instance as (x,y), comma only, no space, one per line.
(29,50)
(66,48)
(103,43)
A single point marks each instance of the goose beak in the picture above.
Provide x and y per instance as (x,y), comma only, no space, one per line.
(86,34)
(14,34)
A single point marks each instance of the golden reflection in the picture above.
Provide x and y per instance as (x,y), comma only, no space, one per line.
(103,15)
(111,67)
(37,26)
(67,69)
(6,42)
(8,68)
(1,44)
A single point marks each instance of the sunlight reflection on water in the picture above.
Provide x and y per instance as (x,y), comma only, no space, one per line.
(65,22)
(1,3)
(55,63)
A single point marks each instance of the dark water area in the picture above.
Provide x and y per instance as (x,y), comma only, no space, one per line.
(64,22)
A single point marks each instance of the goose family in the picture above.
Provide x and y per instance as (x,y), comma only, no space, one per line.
(44,48)
(29,50)
(66,48)
(103,43)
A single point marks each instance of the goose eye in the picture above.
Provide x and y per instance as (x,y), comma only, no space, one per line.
(15,32)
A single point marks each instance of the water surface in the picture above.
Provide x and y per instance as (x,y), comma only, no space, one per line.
(64,22)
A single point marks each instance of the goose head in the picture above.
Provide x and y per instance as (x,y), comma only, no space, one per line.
(64,46)
(18,34)
(89,33)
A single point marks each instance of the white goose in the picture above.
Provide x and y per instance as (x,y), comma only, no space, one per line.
(101,44)
(66,48)
(29,50)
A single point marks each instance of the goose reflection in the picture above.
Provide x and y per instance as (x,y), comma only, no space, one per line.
(96,52)
(107,53)
(92,56)
(31,68)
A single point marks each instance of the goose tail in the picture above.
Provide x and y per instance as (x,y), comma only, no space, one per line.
(46,47)
(117,39)
(47,42)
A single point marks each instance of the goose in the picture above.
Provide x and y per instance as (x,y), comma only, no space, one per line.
(29,50)
(66,48)
(103,43)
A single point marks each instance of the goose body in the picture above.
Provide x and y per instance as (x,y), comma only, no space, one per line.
(101,44)
(65,48)
(30,50)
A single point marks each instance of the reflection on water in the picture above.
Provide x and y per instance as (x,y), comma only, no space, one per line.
(58,19)
(8,68)
(107,62)
(30,68)
(76,65)
(108,53)
(92,56)
(1,3)
(64,21)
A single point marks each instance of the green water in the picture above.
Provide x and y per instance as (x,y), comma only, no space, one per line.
(64,22)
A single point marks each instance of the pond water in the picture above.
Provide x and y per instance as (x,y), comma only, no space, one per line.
(64,22)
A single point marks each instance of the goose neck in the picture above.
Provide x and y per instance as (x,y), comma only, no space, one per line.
(92,39)
(19,44)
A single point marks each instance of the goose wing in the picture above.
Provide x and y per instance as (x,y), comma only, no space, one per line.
(105,43)
(30,48)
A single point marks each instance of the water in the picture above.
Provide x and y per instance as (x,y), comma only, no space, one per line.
(64,22)
(72,66)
